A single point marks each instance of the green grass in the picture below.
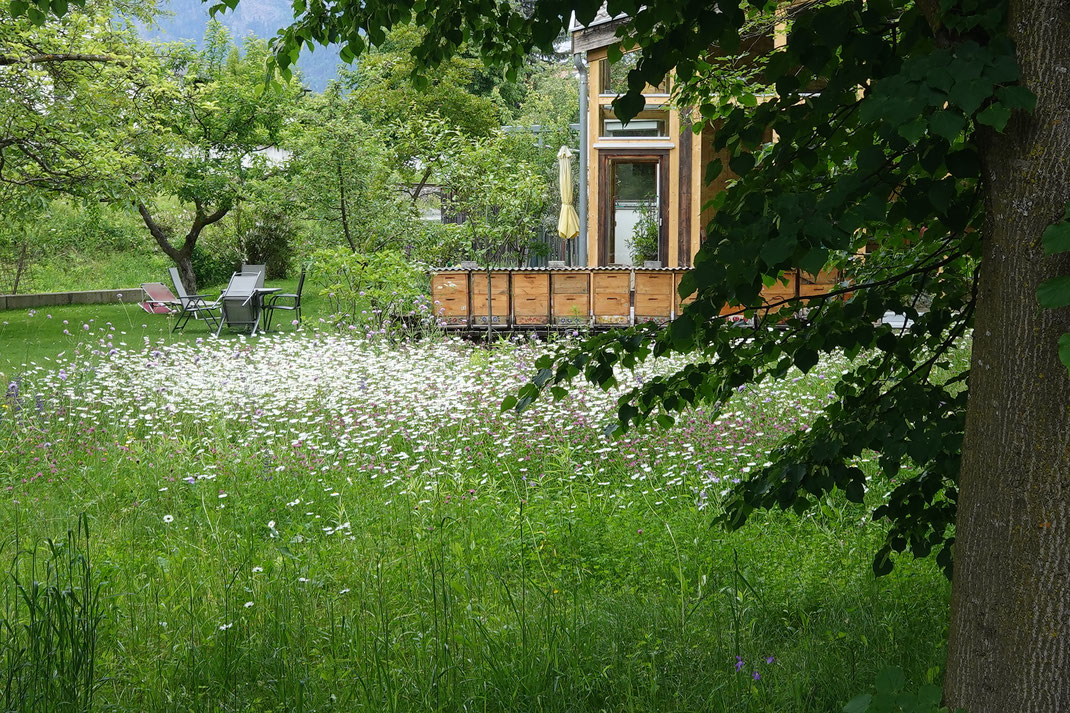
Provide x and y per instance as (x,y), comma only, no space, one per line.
(110,270)
(485,576)
(37,336)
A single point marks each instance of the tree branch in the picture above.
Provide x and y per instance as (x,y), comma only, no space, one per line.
(157,232)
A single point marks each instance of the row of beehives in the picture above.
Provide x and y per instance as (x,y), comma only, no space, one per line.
(576,296)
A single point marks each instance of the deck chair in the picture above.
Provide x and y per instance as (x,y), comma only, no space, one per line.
(160,300)
(260,270)
(193,306)
(240,303)
(295,307)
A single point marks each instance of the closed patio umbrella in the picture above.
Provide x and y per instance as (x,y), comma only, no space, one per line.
(568,225)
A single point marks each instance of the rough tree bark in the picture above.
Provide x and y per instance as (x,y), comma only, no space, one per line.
(1009,647)
(183,255)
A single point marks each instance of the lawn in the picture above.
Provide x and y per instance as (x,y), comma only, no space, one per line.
(322,522)
(39,335)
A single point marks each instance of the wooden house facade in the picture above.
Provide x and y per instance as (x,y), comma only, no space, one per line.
(641,211)
(652,165)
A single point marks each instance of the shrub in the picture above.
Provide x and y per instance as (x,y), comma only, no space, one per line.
(214,265)
(378,292)
(269,241)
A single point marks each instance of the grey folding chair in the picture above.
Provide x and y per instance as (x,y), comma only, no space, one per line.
(193,305)
(240,303)
(260,270)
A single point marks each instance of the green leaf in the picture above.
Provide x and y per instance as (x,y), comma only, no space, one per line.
(18,7)
(964,164)
(858,704)
(508,403)
(665,420)
(947,123)
(682,329)
(1055,292)
(775,252)
(1017,97)
(742,163)
(713,169)
(969,95)
(814,260)
(913,129)
(1064,350)
(869,159)
(882,561)
(1057,237)
(996,116)
(806,359)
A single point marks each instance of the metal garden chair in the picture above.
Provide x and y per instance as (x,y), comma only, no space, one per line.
(240,303)
(159,299)
(193,305)
(295,306)
(260,270)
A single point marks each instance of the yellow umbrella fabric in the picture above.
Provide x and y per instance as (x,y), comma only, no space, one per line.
(568,225)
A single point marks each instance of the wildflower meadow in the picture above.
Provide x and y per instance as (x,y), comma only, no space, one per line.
(323,521)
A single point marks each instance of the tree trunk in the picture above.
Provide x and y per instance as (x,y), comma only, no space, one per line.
(184,263)
(183,256)
(1009,647)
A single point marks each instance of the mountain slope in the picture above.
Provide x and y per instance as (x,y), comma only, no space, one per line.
(186,20)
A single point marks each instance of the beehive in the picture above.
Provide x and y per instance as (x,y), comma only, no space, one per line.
(611,294)
(531,298)
(499,298)
(653,296)
(571,298)
(449,297)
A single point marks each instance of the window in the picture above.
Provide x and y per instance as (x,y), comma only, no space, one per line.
(650,123)
(614,78)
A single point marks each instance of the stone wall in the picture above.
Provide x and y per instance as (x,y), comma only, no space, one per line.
(132,295)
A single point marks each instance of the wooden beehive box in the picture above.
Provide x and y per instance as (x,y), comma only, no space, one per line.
(499,298)
(531,298)
(818,284)
(677,302)
(786,287)
(572,298)
(611,296)
(653,296)
(449,297)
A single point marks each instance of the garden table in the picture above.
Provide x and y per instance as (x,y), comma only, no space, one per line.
(258,296)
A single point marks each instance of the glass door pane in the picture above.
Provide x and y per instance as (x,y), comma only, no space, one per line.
(634,220)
